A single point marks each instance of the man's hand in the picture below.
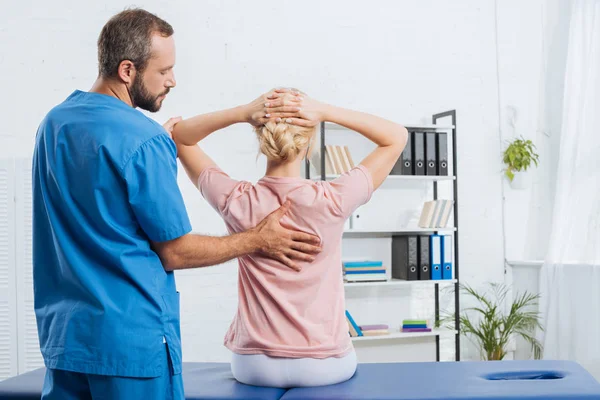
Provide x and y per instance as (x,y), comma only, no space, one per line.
(257,112)
(283,244)
(170,124)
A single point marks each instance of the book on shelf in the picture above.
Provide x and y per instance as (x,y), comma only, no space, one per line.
(376,332)
(338,160)
(415,325)
(364,271)
(364,263)
(374,327)
(435,213)
(353,329)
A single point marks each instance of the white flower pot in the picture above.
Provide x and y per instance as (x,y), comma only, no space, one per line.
(521,180)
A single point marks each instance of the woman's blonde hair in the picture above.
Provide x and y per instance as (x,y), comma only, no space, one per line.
(282,142)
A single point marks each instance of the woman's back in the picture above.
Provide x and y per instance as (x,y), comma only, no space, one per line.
(290,329)
(281,312)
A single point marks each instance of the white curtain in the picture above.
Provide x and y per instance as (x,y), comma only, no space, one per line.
(570,276)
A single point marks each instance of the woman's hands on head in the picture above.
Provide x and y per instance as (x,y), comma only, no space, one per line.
(261,110)
(311,111)
(285,104)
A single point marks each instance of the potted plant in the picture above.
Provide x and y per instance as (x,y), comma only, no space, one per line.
(518,157)
(491,327)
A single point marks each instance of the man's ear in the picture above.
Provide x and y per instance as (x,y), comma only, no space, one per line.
(126,71)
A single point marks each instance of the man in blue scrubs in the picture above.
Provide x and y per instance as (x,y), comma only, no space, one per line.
(110,227)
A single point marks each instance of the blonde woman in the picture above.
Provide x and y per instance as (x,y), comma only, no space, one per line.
(290,328)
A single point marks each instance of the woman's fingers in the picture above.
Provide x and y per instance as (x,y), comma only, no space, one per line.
(279,102)
(287,90)
(283,115)
(299,122)
(272,110)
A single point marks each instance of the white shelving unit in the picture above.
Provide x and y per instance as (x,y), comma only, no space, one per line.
(397,282)
(396,181)
(392,178)
(405,335)
(388,233)
(414,127)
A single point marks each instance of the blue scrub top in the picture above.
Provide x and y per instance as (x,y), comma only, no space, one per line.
(104,186)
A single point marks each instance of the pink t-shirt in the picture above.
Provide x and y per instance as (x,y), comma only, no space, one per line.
(281,312)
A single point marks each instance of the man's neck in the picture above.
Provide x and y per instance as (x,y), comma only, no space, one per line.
(111,88)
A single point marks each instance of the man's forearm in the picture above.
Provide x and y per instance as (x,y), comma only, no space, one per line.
(194,251)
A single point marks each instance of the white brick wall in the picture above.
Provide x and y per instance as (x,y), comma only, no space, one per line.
(403,60)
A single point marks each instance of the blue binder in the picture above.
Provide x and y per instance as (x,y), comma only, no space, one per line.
(447,257)
(435,247)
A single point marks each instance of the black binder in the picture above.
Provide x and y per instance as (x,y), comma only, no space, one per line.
(405,255)
(404,165)
(424,264)
(442,153)
(419,153)
(430,154)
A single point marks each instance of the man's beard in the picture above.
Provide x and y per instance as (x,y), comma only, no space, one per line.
(141,97)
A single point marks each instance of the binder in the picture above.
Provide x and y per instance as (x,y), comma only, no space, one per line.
(405,258)
(436,256)
(419,153)
(424,265)
(431,167)
(404,165)
(442,153)
(446,256)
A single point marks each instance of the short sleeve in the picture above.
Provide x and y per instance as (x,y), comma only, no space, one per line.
(217,187)
(352,189)
(151,178)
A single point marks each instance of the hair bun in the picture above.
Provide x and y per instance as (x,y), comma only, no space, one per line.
(282,142)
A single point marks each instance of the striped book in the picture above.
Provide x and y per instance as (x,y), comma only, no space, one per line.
(358,264)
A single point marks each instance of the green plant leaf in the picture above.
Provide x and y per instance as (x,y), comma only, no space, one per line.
(510,175)
(519,155)
(490,327)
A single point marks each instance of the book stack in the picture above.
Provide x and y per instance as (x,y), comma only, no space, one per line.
(337,160)
(364,271)
(375,330)
(435,214)
(415,325)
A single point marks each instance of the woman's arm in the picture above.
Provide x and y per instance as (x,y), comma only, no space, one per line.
(389,136)
(190,131)
(194,161)
(281,103)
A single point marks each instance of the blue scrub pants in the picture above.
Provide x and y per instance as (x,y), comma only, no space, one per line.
(67,385)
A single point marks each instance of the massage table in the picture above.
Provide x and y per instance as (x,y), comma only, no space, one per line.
(472,380)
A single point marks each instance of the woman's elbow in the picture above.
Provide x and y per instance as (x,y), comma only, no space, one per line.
(402,134)
(400,138)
